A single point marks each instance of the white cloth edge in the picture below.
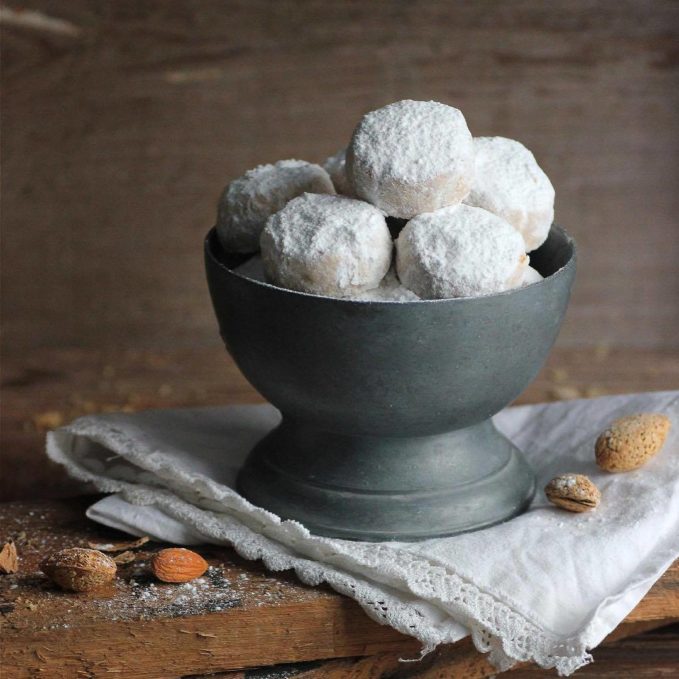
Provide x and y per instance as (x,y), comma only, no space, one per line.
(614,607)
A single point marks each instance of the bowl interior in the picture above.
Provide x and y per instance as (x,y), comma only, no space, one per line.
(556,253)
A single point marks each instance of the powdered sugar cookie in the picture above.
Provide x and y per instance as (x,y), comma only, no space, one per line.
(530,276)
(247,202)
(336,167)
(411,157)
(510,184)
(459,251)
(326,245)
(390,290)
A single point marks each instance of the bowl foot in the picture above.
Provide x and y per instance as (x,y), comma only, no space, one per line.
(388,488)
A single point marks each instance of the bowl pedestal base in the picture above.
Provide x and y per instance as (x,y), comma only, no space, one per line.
(388,488)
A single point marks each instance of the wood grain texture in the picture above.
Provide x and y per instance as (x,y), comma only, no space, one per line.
(119,131)
(49,387)
(240,616)
(654,655)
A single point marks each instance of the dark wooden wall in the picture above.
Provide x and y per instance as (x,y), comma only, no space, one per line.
(123,119)
(121,122)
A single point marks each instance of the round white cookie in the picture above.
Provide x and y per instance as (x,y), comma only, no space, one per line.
(327,245)
(247,202)
(510,184)
(459,251)
(411,157)
(530,276)
(389,290)
(336,167)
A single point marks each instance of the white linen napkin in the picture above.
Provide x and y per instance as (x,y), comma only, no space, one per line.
(546,586)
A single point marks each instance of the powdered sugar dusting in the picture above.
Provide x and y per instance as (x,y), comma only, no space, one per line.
(336,167)
(564,482)
(459,251)
(530,276)
(247,202)
(510,184)
(327,245)
(389,290)
(411,157)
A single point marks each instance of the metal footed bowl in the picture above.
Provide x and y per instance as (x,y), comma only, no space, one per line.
(386,431)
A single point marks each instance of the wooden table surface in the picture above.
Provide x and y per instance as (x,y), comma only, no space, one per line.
(239,616)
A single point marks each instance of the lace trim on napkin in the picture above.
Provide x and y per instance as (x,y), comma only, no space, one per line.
(255,533)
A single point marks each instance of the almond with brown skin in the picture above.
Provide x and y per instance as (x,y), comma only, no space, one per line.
(177,564)
(631,441)
(573,492)
(78,569)
(9,560)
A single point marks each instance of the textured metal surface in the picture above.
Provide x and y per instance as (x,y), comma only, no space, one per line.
(386,404)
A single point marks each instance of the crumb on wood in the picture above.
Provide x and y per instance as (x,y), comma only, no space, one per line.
(564,393)
(50,419)
(119,546)
(9,559)
(594,391)
(38,21)
(602,350)
(125,558)
(559,374)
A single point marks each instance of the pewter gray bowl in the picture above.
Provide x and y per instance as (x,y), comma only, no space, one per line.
(386,430)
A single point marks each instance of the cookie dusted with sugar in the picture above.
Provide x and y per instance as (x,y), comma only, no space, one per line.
(510,184)
(327,245)
(411,157)
(459,251)
(530,276)
(336,167)
(389,290)
(247,202)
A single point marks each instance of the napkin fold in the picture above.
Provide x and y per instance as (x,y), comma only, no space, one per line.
(546,587)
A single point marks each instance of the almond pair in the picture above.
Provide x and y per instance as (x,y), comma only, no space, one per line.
(627,444)
(83,570)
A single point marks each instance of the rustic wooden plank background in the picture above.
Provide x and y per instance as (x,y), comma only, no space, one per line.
(121,121)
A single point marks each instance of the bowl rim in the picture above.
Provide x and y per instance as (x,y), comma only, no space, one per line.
(559,273)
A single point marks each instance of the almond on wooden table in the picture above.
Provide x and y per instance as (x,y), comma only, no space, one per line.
(574,492)
(631,441)
(9,560)
(177,564)
(78,569)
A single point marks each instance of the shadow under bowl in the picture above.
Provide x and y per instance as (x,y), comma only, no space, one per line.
(386,430)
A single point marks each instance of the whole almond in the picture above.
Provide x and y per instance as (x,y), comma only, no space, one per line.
(631,441)
(9,560)
(573,492)
(78,569)
(177,564)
